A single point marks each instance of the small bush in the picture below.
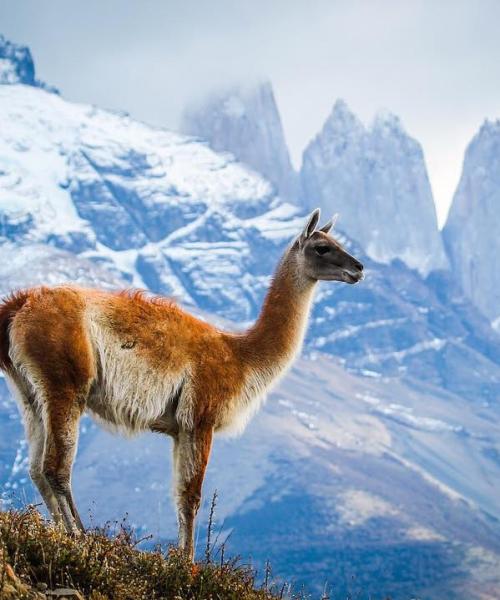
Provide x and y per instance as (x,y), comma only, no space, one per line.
(102,567)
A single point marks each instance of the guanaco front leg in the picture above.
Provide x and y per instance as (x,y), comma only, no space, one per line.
(191,453)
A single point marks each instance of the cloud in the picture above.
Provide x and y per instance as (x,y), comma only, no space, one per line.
(437,65)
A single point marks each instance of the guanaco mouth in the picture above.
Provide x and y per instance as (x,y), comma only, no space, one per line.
(352,277)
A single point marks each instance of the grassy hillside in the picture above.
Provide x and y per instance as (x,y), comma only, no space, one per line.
(37,558)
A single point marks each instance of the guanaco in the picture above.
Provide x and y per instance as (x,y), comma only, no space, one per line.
(141,363)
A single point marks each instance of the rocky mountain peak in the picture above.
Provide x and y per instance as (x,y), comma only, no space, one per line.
(376,178)
(472,230)
(17,65)
(387,121)
(342,117)
(246,122)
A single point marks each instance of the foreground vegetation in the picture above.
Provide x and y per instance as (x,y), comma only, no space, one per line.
(39,561)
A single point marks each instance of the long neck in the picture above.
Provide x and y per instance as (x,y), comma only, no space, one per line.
(278,333)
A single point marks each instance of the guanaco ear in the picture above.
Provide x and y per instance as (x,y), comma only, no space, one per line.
(312,221)
(331,223)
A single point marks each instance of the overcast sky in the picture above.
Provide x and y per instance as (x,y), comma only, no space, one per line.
(434,63)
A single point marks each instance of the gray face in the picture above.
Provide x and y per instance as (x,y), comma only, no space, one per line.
(322,257)
(326,260)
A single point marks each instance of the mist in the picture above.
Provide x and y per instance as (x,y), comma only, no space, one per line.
(436,65)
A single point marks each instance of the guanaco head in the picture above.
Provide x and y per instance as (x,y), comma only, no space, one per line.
(321,257)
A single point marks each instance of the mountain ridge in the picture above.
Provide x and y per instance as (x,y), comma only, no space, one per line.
(472,228)
(377,443)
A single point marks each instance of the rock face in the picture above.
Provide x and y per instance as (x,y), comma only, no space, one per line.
(16,65)
(246,122)
(472,230)
(377,180)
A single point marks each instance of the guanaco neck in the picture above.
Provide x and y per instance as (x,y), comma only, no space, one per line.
(277,335)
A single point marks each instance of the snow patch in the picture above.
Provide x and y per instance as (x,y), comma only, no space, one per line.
(357,506)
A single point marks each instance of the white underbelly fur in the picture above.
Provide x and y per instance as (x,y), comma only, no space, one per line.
(130,395)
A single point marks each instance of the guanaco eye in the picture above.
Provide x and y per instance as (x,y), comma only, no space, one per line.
(321,250)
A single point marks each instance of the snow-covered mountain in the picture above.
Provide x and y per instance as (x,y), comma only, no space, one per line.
(246,122)
(472,231)
(165,212)
(376,179)
(378,456)
(146,203)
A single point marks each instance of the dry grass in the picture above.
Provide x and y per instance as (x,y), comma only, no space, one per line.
(36,555)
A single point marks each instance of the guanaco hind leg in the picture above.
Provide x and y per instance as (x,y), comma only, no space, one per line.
(35,435)
(63,413)
(191,453)
(52,357)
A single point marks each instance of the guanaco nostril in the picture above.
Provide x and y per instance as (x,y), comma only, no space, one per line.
(359,265)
